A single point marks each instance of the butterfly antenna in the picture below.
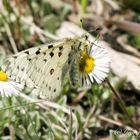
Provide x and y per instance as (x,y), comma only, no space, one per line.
(98,35)
(95,30)
(90,31)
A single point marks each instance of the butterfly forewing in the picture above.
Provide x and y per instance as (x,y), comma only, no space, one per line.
(41,67)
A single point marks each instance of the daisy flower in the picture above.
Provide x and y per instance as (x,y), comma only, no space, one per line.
(94,65)
(7,86)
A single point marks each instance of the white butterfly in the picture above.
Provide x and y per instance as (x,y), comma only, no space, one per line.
(44,68)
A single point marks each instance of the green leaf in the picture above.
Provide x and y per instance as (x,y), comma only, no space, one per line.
(131,110)
(78,115)
(114,135)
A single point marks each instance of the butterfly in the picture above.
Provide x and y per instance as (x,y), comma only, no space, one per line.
(44,68)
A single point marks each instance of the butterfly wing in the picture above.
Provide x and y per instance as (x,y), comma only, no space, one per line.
(40,68)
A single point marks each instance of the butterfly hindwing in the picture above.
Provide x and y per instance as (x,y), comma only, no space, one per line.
(48,78)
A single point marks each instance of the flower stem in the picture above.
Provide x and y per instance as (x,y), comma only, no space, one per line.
(121,103)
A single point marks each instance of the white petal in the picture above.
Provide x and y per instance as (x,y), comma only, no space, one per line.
(1,90)
(96,78)
(101,64)
(91,78)
(9,88)
(102,60)
(103,69)
(97,73)
(88,80)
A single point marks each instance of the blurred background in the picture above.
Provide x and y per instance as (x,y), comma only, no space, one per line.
(94,114)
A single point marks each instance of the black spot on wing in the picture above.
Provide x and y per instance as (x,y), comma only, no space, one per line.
(54,90)
(15,57)
(49,87)
(59,54)
(22,69)
(51,54)
(72,47)
(45,60)
(27,52)
(44,53)
(37,52)
(69,55)
(51,71)
(60,48)
(29,59)
(50,46)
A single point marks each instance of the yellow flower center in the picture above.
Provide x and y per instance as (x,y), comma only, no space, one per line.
(86,63)
(3,76)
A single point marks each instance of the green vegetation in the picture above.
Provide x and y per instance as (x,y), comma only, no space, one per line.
(75,115)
